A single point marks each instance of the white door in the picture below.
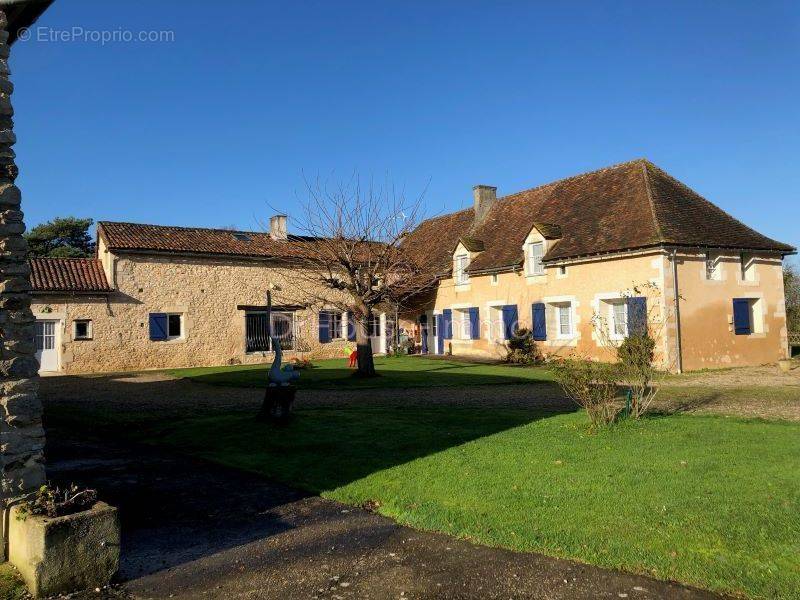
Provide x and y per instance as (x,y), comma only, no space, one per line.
(46,347)
(375,334)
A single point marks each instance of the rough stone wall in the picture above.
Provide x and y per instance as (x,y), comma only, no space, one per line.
(206,291)
(21,433)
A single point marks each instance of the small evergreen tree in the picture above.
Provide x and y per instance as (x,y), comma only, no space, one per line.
(61,237)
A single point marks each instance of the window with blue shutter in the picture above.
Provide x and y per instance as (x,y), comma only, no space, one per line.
(510,321)
(158,326)
(637,316)
(474,323)
(447,321)
(324,326)
(539,320)
(351,327)
(741,316)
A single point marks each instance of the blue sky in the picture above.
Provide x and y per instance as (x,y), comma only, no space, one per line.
(218,125)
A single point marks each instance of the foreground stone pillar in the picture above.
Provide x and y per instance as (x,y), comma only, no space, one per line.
(21,432)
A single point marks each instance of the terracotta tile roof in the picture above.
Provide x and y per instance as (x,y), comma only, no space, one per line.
(434,240)
(67,275)
(198,240)
(627,206)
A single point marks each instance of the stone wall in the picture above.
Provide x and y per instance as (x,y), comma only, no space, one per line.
(21,433)
(206,291)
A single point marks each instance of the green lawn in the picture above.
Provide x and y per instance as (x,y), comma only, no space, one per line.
(710,501)
(394,372)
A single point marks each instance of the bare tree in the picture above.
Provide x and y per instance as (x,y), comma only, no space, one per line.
(351,257)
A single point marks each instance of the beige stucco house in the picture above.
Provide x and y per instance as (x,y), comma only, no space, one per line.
(579,262)
(575,261)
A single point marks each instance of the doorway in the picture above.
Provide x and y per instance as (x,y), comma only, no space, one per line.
(47,345)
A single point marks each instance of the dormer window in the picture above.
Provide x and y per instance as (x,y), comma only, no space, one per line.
(460,264)
(535,255)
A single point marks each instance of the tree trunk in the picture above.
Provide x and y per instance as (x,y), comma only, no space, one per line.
(366,365)
(21,433)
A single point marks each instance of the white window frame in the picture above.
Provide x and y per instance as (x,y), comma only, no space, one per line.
(612,318)
(713,271)
(343,318)
(494,279)
(460,266)
(561,306)
(89,333)
(535,267)
(182,334)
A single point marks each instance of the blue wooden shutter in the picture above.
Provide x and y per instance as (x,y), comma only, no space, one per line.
(447,318)
(158,326)
(351,326)
(741,316)
(474,323)
(324,326)
(510,320)
(439,349)
(539,322)
(637,316)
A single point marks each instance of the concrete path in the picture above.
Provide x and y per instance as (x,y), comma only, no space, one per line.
(197,530)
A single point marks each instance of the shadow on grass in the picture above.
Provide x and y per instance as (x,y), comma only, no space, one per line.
(406,372)
(132,441)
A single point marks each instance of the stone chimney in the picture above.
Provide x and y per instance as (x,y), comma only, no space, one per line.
(485,196)
(277,227)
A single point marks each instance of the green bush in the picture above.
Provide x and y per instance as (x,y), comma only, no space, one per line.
(522,350)
(591,385)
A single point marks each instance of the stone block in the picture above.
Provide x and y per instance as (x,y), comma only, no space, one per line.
(65,554)
(10,195)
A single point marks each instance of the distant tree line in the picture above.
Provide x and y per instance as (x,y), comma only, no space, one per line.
(791,285)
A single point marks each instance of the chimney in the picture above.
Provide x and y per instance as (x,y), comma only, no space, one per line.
(485,196)
(277,227)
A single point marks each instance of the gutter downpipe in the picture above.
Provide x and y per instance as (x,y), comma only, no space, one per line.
(677,310)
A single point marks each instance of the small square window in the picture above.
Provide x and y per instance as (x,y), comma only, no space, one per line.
(562,270)
(712,267)
(494,278)
(82,329)
(174,326)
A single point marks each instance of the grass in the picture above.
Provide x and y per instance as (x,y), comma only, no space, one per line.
(11,586)
(394,372)
(710,501)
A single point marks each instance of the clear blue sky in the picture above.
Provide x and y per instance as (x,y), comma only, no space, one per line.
(214,127)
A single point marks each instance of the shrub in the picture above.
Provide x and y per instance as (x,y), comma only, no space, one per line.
(51,501)
(590,385)
(636,355)
(302,362)
(522,350)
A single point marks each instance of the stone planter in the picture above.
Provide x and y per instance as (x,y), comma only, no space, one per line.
(785,364)
(278,401)
(65,554)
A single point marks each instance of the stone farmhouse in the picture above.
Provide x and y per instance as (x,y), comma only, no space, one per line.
(163,297)
(621,248)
